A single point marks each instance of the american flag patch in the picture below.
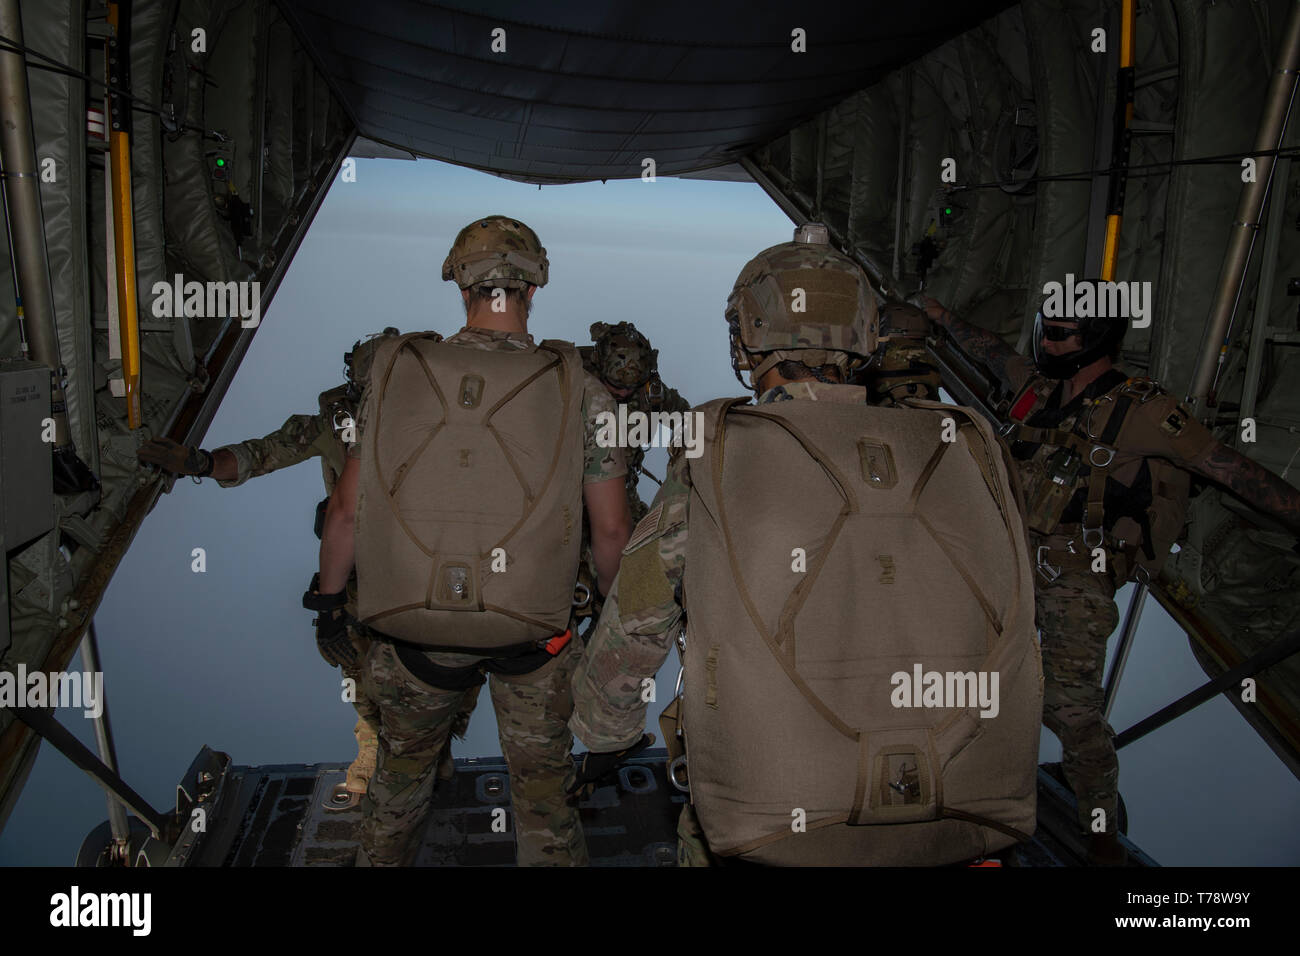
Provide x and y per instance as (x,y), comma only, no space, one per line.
(645,527)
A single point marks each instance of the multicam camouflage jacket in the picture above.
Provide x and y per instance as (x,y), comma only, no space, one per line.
(325,434)
(643,614)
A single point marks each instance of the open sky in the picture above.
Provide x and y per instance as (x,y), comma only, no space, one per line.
(227,657)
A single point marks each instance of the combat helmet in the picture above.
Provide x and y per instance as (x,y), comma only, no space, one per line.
(357,361)
(901,367)
(1101,336)
(623,357)
(499,250)
(801,301)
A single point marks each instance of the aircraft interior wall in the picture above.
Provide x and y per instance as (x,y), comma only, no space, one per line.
(234,138)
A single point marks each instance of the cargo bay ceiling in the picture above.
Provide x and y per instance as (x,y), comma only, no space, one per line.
(583,91)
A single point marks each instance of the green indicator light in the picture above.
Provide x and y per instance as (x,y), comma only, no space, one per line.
(221,162)
(948,211)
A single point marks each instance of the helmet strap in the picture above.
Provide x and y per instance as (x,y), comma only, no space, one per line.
(769,361)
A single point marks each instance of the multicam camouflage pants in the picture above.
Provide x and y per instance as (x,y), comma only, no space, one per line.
(1076,615)
(692,848)
(532,712)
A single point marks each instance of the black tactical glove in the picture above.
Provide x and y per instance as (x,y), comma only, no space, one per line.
(332,639)
(595,766)
(331,625)
(176,458)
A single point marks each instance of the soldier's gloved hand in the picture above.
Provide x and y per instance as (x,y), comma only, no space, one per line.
(332,639)
(596,766)
(331,625)
(176,458)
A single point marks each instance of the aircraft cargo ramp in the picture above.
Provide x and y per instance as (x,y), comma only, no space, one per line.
(286,815)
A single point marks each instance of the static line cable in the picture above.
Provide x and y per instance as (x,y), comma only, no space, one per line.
(1152,168)
(54,66)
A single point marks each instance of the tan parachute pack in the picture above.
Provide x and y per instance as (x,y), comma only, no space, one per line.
(469,513)
(834,549)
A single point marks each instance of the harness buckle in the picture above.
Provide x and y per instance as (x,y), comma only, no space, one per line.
(1095,404)
(586,595)
(1089,542)
(1048,570)
(1105,450)
(676,767)
(1142,389)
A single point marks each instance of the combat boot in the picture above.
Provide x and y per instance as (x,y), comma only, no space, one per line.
(363,767)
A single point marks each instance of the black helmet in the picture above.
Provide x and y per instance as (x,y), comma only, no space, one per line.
(1101,336)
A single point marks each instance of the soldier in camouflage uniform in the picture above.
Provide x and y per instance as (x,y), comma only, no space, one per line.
(624,362)
(493,260)
(626,365)
(645,613)
(1104,460)
(901,368)
(325,435)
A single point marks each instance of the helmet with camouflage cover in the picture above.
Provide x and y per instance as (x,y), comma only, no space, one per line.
(901,367)
(623,356)
(357,361)
(801,301)
(499,250)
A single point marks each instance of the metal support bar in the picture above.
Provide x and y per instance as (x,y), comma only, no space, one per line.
(104,737)
(22,195)
(42,721)
(821,167)
(1103,140)
(904,128)
(879,278)
(1131,619)
(969,381)
(1264,301)
(797,215)
(1278,650)
(1121,139)
(1272,128)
